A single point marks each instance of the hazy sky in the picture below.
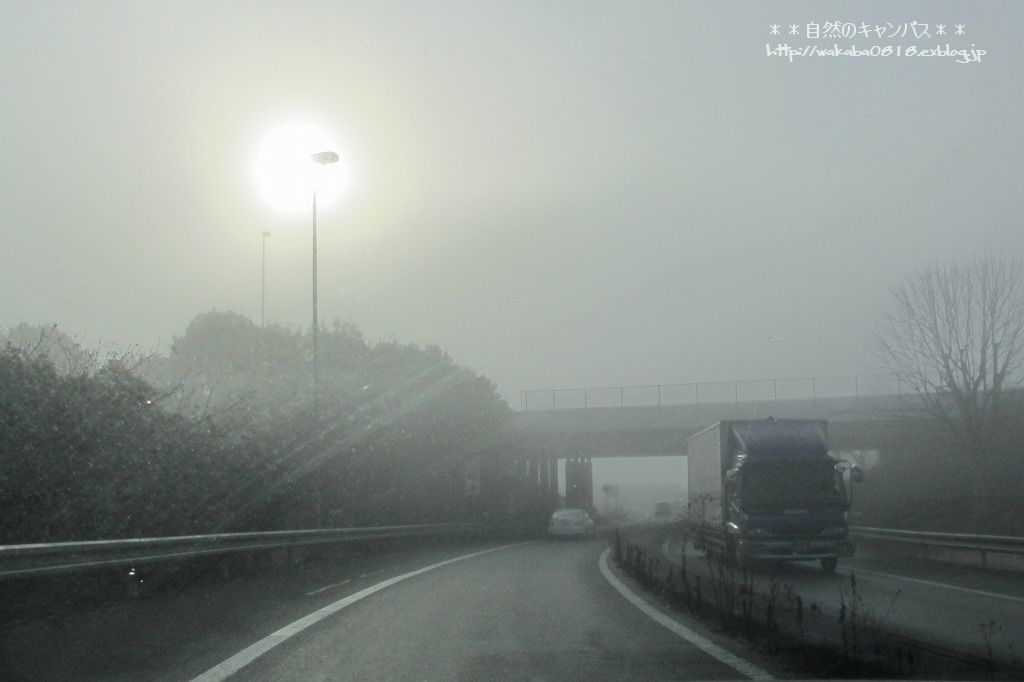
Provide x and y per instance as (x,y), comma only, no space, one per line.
(558,193)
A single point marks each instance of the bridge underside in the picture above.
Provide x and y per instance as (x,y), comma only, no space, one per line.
(579,436)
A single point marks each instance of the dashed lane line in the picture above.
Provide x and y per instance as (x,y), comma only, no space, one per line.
(327,587)
(229,667)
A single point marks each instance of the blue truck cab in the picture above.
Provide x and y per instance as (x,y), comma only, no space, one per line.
(768,490)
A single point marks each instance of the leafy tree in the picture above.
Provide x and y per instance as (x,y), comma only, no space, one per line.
(219,435)
(65,353)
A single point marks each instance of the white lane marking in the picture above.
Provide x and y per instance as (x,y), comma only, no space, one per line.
(730,659)
(327,587)
(968,590)
(229,667)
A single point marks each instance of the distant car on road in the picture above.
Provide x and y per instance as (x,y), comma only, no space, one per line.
(663,513)
(571,523)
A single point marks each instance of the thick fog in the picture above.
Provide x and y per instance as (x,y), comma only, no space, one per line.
(558,194)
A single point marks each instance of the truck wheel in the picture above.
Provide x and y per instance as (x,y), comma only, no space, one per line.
(829,564)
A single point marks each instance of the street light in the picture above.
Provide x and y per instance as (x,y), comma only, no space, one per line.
(323,158)
(263,282)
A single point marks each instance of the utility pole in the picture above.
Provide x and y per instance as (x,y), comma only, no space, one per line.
(263,282)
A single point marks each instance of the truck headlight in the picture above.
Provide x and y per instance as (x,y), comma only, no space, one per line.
(834,532)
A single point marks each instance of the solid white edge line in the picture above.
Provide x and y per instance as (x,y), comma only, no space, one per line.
(230,666)
(946,586)
(727,657)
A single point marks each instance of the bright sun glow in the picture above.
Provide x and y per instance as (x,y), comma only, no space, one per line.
(286,175)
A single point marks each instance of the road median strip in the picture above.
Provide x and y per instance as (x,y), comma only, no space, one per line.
(704,644)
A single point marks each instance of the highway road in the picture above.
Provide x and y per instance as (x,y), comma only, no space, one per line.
(533,611)
(528,611)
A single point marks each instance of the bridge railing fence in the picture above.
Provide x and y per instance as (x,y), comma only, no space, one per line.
(712,392)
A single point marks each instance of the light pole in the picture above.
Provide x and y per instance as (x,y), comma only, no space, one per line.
(263,282)
(323,158)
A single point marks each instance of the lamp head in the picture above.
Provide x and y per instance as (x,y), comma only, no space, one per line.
(325,157)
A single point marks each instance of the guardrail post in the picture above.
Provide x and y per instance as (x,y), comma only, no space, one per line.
(622,396)
(659,395)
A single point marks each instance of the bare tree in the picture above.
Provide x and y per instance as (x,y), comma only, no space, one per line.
(956,338)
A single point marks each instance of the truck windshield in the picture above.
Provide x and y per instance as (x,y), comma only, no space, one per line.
(787,484)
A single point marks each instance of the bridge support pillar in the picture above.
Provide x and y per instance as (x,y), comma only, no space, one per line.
(579,483)
(532,472)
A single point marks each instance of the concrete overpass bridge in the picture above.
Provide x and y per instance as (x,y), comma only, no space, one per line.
(578,434)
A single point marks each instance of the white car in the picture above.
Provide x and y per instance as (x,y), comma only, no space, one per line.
(571,523)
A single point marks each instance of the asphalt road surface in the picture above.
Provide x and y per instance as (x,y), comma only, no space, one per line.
(534,611)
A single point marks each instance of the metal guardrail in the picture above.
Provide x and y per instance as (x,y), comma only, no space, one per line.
(66,557)
(983,544)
